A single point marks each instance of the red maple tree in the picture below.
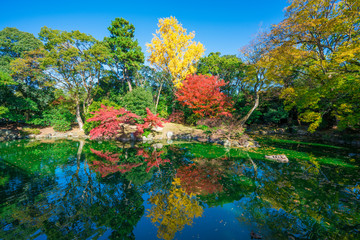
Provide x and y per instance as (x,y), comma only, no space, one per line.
(150,121)
(112,121)
(202,94)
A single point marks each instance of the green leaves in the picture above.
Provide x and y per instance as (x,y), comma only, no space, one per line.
(125,53)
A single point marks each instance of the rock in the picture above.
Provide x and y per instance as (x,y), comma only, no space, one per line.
(302,132)
(227,143)
(157,145)
(279,158)
(201,139)
(243,143)
(32,136)
(169,135)
(235,144)
(158,129)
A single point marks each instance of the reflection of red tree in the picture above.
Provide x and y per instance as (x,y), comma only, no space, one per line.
(111,165)
(199,179)
(153,159)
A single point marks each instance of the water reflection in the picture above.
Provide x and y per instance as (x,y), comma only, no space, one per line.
(173,209)
(69,190)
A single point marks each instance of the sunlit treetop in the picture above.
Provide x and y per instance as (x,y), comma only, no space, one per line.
(173,50)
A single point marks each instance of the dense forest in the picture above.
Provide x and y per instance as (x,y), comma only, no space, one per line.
(304,70)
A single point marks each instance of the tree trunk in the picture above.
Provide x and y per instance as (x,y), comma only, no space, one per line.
(256,104)
(129,84)
(80,149)
(78,116)
(158,98)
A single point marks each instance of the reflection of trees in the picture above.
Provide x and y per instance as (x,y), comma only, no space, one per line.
(300,201)
(110,164)
(75,205)
(152,158)
(173,209)
(200,180)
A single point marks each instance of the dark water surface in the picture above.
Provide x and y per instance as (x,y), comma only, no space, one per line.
(91,190)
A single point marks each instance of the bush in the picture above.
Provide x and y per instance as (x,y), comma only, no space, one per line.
(28,131)
(61,125)
(94,107)
(59,118)
(177,117)
(138,100)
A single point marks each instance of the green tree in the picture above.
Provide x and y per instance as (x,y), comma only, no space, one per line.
(126,56)
(74,60)
(138,100)
(21,90)
(227,67)
(13,44)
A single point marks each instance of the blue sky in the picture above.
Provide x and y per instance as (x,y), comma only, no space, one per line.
(222,26)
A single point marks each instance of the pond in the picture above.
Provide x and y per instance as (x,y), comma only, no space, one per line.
(105,190)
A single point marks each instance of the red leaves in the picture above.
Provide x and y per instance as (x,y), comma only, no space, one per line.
(153,159)
(177,117)
(200,179)
(202,94)
(153,120)
(111,121)
(150,122)
(111,165)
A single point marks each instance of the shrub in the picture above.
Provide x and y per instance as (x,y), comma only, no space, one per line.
(177,117)
(28,131)
(95,106)
(59,118)
(138,100)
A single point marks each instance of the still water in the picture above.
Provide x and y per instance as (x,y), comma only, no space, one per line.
(105,190)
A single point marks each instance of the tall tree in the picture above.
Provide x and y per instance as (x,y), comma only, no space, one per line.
(33,91)
(13,44)
(173,51)
(20,75)
(74,60)
(126,56)
(316,56)
(255,57)
(227,67)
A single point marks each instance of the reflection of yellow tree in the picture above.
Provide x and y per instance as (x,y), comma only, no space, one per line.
(173,210)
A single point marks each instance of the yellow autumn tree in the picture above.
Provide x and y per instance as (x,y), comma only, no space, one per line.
(315,54)
(173,210)
(172,50)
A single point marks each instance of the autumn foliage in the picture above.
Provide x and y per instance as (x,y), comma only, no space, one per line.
(112,122)
(201,180)
(152,159)
(150,121)
(202,95)
(110,164)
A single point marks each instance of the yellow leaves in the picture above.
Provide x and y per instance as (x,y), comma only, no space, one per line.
(172,50)
(313,117)
(173,210)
